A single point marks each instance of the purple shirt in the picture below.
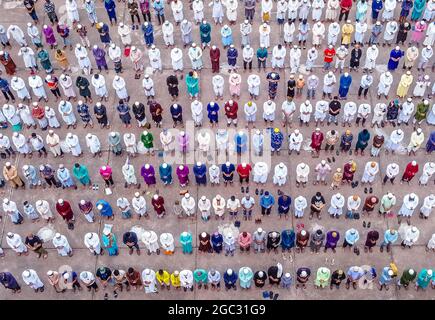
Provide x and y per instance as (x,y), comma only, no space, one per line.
(148,175)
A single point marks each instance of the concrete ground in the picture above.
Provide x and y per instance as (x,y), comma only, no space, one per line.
(416,257)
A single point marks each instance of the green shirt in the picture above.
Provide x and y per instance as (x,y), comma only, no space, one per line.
(147,140)
(262,53)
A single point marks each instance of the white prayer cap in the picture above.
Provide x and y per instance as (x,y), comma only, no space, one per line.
(303,232)
(66,275)
(137,194)
(49,273)
(60,201)
(258,131)
(100,206)
(429,272)
(419,130)
(48,77)
(89,135)
(113,45)
(98,104)
(203,198)
(95,46)
(281,165)
(156,196)
(408,73)
(165,236)
(10,234)
(133,48)
(8,164)
(82,202)
(147,166)
(414,163)
(399,131)
(45,26)
(243,164)
(5,200)
(193,44)
(25,167)
(303,273)
(176,272)
(147,271)
(389,194)
(259,230)
(297,131)
(390,272)
(61,166)
(348,21)
(39,202)
(57,235)
(26,273)
(29,24)
(181,167)
(426,77)
(47,108)
(230,271)
(246,270)
(199,163)
(41,167)
(260,273)
(103,168)
(227,163)
(187,195)
(165,165)
(414,229)
(411,271)
(203,234)
(426,101)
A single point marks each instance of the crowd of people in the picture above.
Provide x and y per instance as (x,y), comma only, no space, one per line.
(313,35)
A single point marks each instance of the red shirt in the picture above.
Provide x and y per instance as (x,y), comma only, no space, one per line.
(410,171)
(38,112)
(316,140)
(65,210)
(244,171)
(231,111)
(329,54)
(345,5)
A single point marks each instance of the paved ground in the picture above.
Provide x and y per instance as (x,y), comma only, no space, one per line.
(417,257)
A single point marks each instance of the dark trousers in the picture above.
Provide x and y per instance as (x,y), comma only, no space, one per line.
(386,179)
(8,95)
(343,14)
(133,16)
(51,181)
(94,285)
(146,16)
(244,179)
(265,211)
(361,90)
(100,67)
(53,18)
(9,151)
(262,63)
(245,64)
(363,120)
(43,151)
(109,182)
(329,147)
(134,246)
(346,244)
(161,18)
(56,92)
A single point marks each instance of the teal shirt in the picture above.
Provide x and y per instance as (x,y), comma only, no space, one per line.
(262,53)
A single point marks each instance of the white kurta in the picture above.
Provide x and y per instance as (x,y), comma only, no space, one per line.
(261,171)
(370,172)
(408,206)
(67,86)
(128,173)
(214,173)
(93,143)
(168,33)
(428,171)
(177,59)
(16,243)
(150,241)
(139,205)
(218,85)
(37,85)
(130,143)
(167,242)
(100,86)
(280,175)
(300,205)
(19,86)
(93,243)
(32,280)
(254,84)
(74,144)
(149,281)
(295,141)
(188,205)
(62,245)
(155,59)
(428,205)
(337,204)
(120,87)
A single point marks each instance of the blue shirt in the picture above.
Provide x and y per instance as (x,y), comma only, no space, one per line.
(284,205)
(267,201)
(390,238)
(4,85)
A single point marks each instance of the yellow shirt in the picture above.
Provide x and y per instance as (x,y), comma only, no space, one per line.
(163,278)
(175,280)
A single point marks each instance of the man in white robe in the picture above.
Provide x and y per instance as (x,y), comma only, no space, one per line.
(149,281)
(280,174)
(214,174)
(250,109)
(289,30)
(31,278)
(302,172)
(168,33)
(72,11)
(406,111)
(305,111)
(420,86)
(26,115)
(318,33)
(93,143)
(155,58)
(337,204)
(188,204)
(19,86)
(195,56)
(150,240)
(100,88)
(219,206)
(50,114)
(186,32)
(416,141)
(245,31)
(329,80)
(177,10)
(428,205)
(333,32)
(371,169)
(203,139)
(60,242)
(17,34)
(390,32)
(28,58)
(21,144)
(288,109)
(186,280)
(120,87)
(129,175)
(261,170)
(396,137)
(73,143)
(361,28)
(204,206)
(167,243)
(278,56)
(426,53)
(115,55)
(124,32)
(15,242)
(295,58)
(409,204)
(218,86)
(177,59)
(197,114)
(92,242)
(130,144)
(231,6)
(322,169)
(317,9)
(254,85)
(37,85)
(371,56)
(66,83)
(300,205)
(43,208)
(264,32)
(139,205)
(83,60)
(321,109)
(198,10)
(167,140)
(148,86)
(295,142)
(384,85)
(428,172)
(65,109)
(410,236)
